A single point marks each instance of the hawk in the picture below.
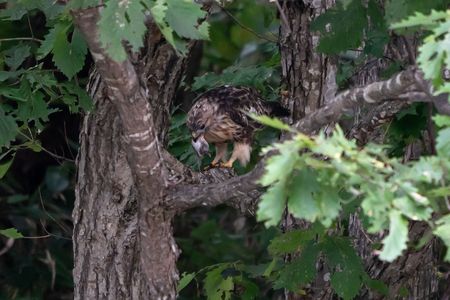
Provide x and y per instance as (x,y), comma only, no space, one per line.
(220,116)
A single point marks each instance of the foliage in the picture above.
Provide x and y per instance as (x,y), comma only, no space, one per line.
(434,54)
(347,272)
(389,192)
(317,177)
(43,73)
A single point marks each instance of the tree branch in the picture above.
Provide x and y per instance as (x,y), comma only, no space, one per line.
(372,93)
(144,155)
(240,192)
(130,99)
(243,191)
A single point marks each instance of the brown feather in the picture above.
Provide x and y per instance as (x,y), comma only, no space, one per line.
(221,116)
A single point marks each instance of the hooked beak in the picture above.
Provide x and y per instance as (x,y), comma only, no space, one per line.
(200,145)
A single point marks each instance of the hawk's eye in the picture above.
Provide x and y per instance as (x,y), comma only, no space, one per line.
(201,127)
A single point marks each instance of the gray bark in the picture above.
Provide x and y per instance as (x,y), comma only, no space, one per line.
(309,77)
(120,230)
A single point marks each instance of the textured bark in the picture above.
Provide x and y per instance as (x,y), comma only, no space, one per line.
(121,232)
(309,77)
(105,236)
(414,274)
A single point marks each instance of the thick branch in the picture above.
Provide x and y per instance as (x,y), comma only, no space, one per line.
(144,155)
(243,190)
(373,93)
(240,192)
(130,99)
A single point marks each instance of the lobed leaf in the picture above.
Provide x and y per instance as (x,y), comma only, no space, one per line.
(122,21)
(186,278)
(8,129)
(395,242)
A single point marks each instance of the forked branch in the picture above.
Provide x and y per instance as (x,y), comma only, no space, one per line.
(244,189)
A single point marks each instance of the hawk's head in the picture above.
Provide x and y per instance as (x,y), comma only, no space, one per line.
(198,122)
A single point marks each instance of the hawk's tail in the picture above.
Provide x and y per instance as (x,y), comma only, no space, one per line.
(277,110)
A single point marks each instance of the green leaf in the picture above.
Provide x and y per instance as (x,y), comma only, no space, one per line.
(336,35)
(158,11)
(271,206)
(300,271)
(301,202)
(420,19)
(290,242)
(76,97)
(395,242)
(346,279)
(376,285)
(216,286)
(443,231)
(186,278)
(412,209)
(15,11)
(84,100)
(443,142)
(34,109)
(4,166)
(251,290)
(183,17)
(377,35)
(397,10)
(11,233)
(280,166)
(272,122)
(69,56)
(347,287)
(8,129)
(5,75)
(312,201)
(122,21)
(34,145)
(442,120)
(49,41)
(15,56)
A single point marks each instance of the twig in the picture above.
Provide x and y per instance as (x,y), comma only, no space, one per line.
(36,237)
(245,27)
(29,26)
(51,217)
(8,245)
(54,155)
(283,16)
(22,39)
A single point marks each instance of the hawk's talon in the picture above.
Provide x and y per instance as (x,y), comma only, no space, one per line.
(226,165)
(211,166)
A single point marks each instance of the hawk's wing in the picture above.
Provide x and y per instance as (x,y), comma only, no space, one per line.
(237,102)
(225,111)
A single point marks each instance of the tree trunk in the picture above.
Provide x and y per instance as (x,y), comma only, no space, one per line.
(310,82)
(106,232)
(309,77)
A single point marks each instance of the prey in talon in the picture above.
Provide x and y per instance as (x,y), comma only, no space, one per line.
(220,116)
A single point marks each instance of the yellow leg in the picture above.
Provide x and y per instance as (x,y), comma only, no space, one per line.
(221,151)
(228,164)
(241,151)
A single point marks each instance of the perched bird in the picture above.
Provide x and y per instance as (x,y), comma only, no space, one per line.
(220,116)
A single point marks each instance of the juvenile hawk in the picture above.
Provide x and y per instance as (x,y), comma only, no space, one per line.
(220,116)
